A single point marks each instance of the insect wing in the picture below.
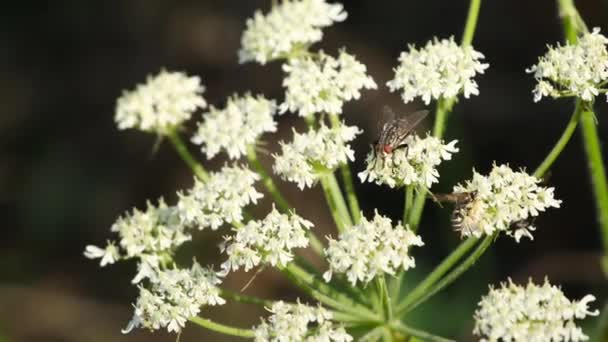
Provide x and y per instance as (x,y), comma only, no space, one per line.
(384,117)
(407,124)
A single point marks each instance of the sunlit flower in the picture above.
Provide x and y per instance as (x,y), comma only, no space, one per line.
(266,241)
(299,322)
(371,248)
(220,199)
(235,127)
(579,69)
(415,164)
(442,69)
(164,102)
(175,296)
(312,154)
(533,314)
(108,255)
(505,200)
(289,26)
(321,84)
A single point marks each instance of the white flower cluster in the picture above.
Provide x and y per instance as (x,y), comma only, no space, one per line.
(573,70)
(505,200)
(311,154)
(174,297)
(299,322)
(165,101)
(235,127)
(269,241)
(416,164)
(143,235)
(441,69)
(532,314)
(289,26)
(220,199)
(322,83)
(371,248)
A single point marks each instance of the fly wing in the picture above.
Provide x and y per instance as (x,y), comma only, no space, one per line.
(385,116)
(407,124)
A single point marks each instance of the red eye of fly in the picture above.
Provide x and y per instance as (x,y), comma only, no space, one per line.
(388,148)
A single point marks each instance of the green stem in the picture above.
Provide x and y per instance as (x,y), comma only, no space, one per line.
(469,26)
(417,208)
(327,295)
(409,198)
(183,152)
(237,297)
(349,185)
(570,20)
(437,273)
(267,180)
(335,201)
(221,328)
(561,143)
(409,331)
(453,275)
(597,171)
(601,331)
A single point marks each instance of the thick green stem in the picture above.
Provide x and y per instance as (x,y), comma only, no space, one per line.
(335,201)
(349,185)
(560,144)
(183,152)
(409,198)
(437,273)
(597,171)
(409,331)
(601,331)
(471,24)
(221,328)
(454,274)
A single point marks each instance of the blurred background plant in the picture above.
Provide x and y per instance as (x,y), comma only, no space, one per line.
(67,173)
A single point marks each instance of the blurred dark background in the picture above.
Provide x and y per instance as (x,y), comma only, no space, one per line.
(66,172)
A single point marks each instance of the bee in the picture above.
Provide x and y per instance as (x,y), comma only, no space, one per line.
(468,210)
(394,131)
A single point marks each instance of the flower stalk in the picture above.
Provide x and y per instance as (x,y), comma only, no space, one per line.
(222,328)
(186,156)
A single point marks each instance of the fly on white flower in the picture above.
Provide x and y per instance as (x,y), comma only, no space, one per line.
(393,131)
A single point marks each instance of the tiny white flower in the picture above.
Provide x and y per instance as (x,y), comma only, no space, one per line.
(535,313)
(415,164)
(265,241)
(371,248)
(321,84)
(175,296)
(299,322)
(311,154)
(579,69)
(505,200)
(235,127)
(289,26)
(108,255)
(441,69)
(220,199)
(164,102)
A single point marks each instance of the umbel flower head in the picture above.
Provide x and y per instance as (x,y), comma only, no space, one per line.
(265,241)
(371,248)
(441,68)
(579,69)
(142,234)
(322,83)
(164,102)
(535,313)
(505,200)
(416,164)
(289,26)
(312,154)
(175,296)
(235,127)
(220,199)
(299,322)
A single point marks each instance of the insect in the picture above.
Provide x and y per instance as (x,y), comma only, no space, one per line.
(468,209)
(393,131)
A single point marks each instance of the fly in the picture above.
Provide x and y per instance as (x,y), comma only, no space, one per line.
(394,131)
